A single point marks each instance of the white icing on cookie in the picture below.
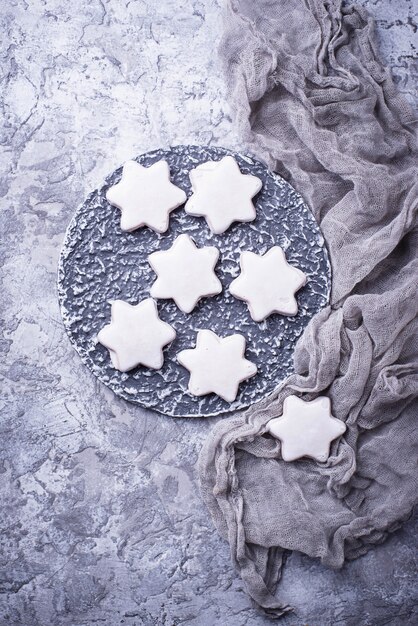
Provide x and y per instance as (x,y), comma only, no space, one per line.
(222,194)
(136,335)
(145,196)
(185,273)
(306,428)
(217,365)
(268,284)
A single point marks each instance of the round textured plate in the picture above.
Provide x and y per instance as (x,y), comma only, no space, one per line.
(99,263)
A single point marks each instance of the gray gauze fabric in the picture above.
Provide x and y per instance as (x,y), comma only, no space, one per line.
(311,98)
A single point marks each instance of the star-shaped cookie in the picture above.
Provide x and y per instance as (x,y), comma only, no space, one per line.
(268,284)
(217,365)
(306,428)
(136,335)
(145,196)
(185,273)
(222,194)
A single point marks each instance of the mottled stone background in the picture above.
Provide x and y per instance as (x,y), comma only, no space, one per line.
(101,519)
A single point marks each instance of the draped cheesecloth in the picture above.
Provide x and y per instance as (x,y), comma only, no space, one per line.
(311,98)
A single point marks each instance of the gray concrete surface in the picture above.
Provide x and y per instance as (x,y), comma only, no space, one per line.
(101,519)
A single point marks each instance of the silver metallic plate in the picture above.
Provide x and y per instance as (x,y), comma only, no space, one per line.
(99,263)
